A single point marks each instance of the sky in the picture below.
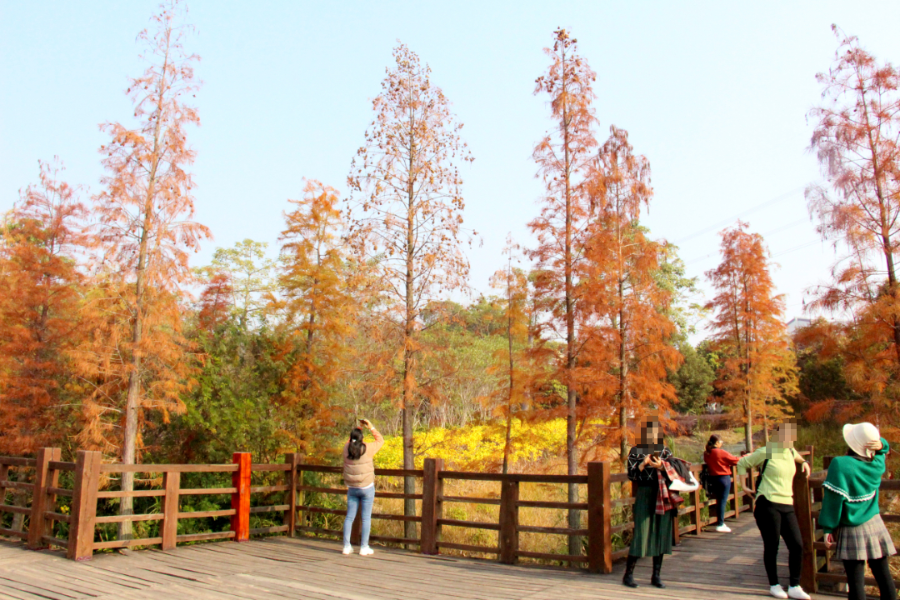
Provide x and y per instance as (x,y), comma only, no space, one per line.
(715,95)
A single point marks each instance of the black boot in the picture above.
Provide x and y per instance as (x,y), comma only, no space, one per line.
(629,572)
(657,567)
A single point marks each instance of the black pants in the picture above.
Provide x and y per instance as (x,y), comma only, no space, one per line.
(856,578)
(774,521)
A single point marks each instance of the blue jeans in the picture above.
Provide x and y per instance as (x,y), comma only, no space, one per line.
(355,497)
(722,487)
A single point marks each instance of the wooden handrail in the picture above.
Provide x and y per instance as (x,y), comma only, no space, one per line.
(285,494)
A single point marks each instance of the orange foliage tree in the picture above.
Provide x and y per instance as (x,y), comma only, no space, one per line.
(514,359)
(856,141)
(627,322)
(406,212)
(146,233)
(758,369)
(40,317)
(563,157)
(317,306)
(215,302)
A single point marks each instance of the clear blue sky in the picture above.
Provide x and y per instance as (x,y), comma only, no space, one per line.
(714,94)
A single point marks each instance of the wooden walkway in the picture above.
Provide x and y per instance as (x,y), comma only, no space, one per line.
(713,567)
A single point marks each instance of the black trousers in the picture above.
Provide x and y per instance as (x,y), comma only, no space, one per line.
(779,521)
(856,578)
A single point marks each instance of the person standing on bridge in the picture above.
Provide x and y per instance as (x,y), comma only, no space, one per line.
(654,514)
(774,510)
(359,476)
(850,514)
(719,462)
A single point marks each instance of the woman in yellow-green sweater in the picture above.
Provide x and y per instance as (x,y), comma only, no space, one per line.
(774,510)
(850,516)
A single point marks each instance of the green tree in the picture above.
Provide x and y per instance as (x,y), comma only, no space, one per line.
(693,381)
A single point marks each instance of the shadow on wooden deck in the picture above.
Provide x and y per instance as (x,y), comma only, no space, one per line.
(715,566)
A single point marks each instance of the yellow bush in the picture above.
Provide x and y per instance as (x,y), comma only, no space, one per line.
(478,446)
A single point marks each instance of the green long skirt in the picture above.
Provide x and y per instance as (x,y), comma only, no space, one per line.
(652,532)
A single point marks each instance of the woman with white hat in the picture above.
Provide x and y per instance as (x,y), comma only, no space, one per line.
(850,514)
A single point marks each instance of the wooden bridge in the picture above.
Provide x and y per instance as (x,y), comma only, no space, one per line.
(717,566)
(72,514)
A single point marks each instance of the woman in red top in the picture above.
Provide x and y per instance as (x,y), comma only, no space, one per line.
(720,463)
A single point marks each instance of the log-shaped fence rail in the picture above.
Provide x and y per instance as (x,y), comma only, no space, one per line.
(608,514)
(819,567)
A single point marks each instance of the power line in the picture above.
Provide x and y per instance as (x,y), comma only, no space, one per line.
(739,215)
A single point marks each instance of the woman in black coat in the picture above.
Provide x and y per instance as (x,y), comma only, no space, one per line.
(652,531)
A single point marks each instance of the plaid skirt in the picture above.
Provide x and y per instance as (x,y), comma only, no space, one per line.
(870,540)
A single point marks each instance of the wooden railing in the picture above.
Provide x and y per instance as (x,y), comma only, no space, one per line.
(21,465)
(818,566)
(606,499)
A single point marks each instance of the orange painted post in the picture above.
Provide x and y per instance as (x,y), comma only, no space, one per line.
(432,491)
(599,518)
(290,497)
(84,505)
(41,501)
(240,499)
(172,484)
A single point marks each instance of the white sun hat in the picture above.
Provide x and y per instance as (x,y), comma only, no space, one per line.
(860,434)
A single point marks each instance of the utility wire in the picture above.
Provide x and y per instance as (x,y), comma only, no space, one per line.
(739,215)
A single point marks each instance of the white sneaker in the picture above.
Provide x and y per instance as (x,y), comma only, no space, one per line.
(348,550)
(777,591)
(797,592)
(723,529)
(366,551)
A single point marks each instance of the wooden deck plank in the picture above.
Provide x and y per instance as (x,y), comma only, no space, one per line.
(714,567)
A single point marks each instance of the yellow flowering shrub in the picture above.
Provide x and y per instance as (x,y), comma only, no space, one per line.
(478,447)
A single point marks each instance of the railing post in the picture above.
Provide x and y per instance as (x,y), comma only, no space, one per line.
(43,478)
(599,501)
(803,509)
(84,505)
(698,512)
(172,484)
(240,500)
(4,476)
(738,498)
(812,455)
(826,568)
(509,521)
(432,493)
(290,498)
(300,519)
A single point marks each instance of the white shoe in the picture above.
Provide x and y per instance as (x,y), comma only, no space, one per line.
(366,551)
(797,592)
(777,591)
(723,529)
(347,550)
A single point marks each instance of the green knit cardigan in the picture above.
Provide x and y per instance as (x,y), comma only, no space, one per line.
(851,490)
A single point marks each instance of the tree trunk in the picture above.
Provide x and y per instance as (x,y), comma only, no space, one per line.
(509,399)
(132,405)
(18,520)
(748,431)
(574,516)
(409,483)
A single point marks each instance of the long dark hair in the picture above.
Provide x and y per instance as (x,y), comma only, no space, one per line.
(713,440)
(356,447)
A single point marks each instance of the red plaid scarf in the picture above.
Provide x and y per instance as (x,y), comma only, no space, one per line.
(666,500)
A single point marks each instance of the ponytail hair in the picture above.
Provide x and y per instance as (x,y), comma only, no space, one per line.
(713,440)
(356,447)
